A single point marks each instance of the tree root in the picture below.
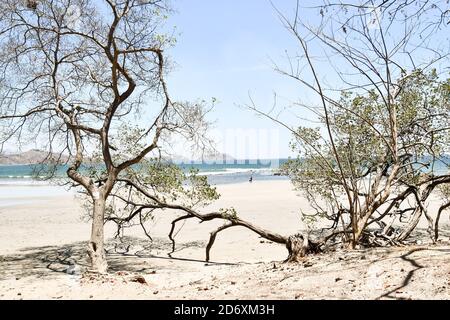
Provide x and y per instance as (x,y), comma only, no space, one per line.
(299,246)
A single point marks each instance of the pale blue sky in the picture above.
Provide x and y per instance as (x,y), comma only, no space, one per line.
(225,50)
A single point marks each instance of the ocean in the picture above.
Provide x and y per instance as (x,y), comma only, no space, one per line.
(217,173)
(17,185)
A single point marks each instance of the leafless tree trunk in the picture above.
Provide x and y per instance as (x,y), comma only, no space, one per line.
(96,249)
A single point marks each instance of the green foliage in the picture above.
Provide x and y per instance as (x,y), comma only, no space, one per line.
(367,143)
(229,213)
(169,183)
(161,185)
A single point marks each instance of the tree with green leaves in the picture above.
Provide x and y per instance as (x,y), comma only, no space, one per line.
(86,79)
(380,188)
(378,145)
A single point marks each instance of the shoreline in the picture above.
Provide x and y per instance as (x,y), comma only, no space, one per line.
(19,188)
(60,210)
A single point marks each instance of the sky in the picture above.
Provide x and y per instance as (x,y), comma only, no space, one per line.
(227,50)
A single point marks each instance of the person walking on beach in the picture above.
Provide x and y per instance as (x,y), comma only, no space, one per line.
(251,177)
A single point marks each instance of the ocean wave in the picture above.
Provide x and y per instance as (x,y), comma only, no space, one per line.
(18,177)
(236,171)
(22,181)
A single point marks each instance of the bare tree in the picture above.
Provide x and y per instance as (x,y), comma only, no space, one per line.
(376,69)
(87,80)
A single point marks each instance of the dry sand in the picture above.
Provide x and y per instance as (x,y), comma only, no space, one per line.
(42,254)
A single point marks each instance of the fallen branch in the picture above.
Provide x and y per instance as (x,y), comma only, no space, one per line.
(298,245)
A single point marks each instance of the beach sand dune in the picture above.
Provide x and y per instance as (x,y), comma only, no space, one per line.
(42,256)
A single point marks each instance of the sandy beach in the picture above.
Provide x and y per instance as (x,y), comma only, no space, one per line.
(43,239)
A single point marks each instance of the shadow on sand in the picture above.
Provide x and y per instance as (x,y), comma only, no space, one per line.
(130,255)
(417,266)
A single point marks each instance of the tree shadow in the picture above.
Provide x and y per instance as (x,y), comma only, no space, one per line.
(42,262)
(423,235)
(130,255)
(417,266)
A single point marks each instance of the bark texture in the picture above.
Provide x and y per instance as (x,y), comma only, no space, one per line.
(96,250)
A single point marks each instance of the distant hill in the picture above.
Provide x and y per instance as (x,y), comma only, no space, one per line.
(28,157)
(35,156)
